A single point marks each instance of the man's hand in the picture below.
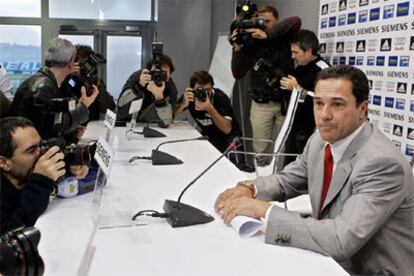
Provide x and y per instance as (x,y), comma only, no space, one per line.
(79,171)
(203,106)
(257,33)
(188,97)
(75,69)
(288,83)
(229,194)
(51,164)
(157,91)
(79,131)
(246,206)
(233,41)
(144,78)
(88,100)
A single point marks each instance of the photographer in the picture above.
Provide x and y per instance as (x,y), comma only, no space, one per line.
(86,75)
(266,55)
(211,109)
(159,94)
(304,47)
(40,99)
(26,179)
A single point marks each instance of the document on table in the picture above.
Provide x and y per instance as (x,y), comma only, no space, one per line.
(246,226)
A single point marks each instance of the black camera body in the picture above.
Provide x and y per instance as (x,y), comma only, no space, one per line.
(247,18)
(200,94)
(88,72)
(157,75)
(81,154)
(19,254)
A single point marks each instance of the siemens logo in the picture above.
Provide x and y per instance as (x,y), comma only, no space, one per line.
(351,18)
(374,14)
(389,102)
(393,61)
(388,11)
(402,9)
(377,100)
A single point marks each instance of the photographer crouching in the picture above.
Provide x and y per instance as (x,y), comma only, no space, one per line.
(27,177)
(40,98)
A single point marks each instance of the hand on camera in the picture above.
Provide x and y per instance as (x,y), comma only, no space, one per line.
(233,41)
(157,91)
(288,83)
(203,106)
(188,97)
(75,68)
(145,77)
(88,100)
(79,171)
(51,164)
(257,33)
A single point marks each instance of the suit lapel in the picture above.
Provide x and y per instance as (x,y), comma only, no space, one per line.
(344,167)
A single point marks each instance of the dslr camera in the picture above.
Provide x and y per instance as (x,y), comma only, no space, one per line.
(247,18)
(88,62)
(81,154)
(19,254)
(200,94)
(157,75)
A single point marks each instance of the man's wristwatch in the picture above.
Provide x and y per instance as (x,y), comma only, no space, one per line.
(249,185)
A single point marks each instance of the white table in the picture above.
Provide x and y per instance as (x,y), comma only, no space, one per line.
(153,247)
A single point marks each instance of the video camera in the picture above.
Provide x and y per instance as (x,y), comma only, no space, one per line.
(200,93)
(157,75)
(18,253)
(247,18)
(81,154)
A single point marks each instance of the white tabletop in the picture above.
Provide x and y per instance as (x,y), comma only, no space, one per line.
(150,246)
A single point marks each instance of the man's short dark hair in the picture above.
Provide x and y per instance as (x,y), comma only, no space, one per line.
(270,9)
(360,86)
(164,60)
(8,126)
(201,77)
(306,39)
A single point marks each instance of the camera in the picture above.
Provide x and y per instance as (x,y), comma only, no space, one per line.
(200,93)
(74,154)
(247,18)
(157,75)
(88,62)
(18,253)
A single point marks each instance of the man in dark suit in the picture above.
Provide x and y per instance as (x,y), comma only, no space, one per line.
(360,185)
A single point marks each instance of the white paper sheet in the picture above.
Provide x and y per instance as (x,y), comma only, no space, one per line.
(245,226)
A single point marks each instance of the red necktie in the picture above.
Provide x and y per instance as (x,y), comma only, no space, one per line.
(327,174)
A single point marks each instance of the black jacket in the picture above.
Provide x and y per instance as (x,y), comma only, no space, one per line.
(23,207)
(33,100)
(276,61)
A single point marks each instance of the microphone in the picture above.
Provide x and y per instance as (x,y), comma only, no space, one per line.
(162,158)
(180,214)
(149,132)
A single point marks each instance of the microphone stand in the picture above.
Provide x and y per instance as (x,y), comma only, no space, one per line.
(180,214)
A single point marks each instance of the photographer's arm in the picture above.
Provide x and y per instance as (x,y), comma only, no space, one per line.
(132,90)
(287,27)
(220,121)
(165,107)
(240,63)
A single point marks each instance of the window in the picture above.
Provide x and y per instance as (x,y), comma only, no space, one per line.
(20,51)
(101,9)
(20,8)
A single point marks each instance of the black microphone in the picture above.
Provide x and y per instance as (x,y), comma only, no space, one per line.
(162,158)
(150,132)
(180,214)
